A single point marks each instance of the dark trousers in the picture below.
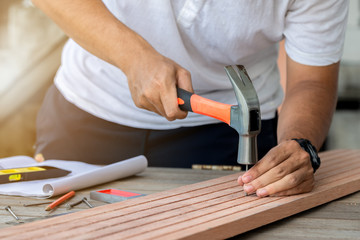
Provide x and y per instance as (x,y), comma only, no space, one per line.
(68,133)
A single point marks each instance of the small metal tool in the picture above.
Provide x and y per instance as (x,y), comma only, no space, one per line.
(69,206)
(8,208)
(87,203)
(83,200)
(35,204)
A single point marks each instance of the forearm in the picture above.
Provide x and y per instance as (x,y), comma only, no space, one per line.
(93,27)
(309,103)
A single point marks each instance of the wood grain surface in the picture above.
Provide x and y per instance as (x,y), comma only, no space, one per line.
(213,209)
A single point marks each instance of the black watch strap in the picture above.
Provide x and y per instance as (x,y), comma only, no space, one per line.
(309,148)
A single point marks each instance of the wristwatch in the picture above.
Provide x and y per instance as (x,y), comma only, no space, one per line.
(309,148)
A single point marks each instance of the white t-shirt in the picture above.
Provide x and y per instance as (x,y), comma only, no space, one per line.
(203,37)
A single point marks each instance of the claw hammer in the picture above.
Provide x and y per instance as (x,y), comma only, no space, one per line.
(244,117)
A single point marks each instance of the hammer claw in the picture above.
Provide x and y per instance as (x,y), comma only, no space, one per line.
(244,77)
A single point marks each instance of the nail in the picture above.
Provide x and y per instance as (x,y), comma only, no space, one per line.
(69,206)
(8,208)
(36,204)
(87,203)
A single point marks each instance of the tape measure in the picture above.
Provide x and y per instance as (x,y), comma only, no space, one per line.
(30,174)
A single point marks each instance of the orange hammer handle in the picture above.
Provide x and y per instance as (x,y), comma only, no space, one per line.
(194,103)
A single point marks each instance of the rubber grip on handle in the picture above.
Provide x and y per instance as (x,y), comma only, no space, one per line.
(184,99)
(194,103)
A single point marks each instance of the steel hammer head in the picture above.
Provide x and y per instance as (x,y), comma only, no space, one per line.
(245,117)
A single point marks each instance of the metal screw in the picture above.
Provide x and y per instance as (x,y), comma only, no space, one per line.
(8,208)
(87,203)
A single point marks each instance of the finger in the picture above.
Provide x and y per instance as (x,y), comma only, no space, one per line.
(160,108)
(245,178)
(152,107)
(170,104)
(147,104)
(240,181)
(286,183)
(304,187)
(183,80)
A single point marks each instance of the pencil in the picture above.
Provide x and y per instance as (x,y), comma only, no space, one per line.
(60,200)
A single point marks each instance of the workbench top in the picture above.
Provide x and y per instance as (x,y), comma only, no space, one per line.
(339,219)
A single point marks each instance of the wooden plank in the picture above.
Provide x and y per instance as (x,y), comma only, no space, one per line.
(207,210)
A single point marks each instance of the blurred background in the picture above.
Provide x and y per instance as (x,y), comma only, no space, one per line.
(30,50)
(345,128)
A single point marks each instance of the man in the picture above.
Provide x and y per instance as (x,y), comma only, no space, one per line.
(115,93)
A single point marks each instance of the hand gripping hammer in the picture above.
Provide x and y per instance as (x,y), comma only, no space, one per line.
(244,117)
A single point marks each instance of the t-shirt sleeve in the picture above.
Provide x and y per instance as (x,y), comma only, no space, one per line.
(315,31)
